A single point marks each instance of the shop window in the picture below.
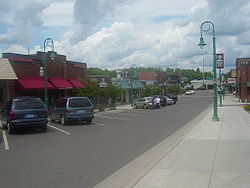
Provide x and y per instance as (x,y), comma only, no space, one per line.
(1,95)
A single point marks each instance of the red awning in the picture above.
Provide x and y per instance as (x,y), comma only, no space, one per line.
(60,83)
(76,83)
(33,82)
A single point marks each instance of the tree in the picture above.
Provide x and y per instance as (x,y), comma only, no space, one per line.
(151,90)
(173,89)
(91,89)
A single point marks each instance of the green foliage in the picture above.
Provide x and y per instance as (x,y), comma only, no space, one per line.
(98,71)
(112,91)
(93,91)
(173,89)
(247,107)
(151,90)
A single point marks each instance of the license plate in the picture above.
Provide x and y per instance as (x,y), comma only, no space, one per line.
(80,111)
(29,115)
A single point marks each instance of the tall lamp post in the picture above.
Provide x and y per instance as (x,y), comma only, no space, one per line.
(48,42)
(208,26)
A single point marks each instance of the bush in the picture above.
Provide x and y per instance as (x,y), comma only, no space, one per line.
(247,107)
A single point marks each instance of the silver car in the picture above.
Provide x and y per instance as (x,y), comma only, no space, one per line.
(145,102)
(72,109)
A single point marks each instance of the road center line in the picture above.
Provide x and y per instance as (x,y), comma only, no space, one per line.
(5,141)
(59,129)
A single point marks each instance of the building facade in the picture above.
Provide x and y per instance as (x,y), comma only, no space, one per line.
(8,78)
(243,79)
(152,78)
(63,75)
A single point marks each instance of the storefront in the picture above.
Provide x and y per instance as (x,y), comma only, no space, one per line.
(243,79)
(63,75)
(7,81)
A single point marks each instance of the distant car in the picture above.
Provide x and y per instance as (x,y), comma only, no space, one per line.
(72,109)
(144,102)
(188,93)
(192,91)
(24,112)
(173,96)
(169,101)
(201,88)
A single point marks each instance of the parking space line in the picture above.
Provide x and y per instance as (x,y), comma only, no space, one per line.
(59,129)
(5,141)
(114,118)
(100,124)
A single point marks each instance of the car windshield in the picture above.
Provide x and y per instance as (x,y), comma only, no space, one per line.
(79,102)
(21,104)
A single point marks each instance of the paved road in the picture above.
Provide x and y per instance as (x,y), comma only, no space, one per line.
(83,155)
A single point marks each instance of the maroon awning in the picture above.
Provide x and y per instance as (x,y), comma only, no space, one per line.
(33,82)
(76,83)
(60,83)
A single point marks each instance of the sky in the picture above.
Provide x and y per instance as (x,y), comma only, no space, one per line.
(116,34)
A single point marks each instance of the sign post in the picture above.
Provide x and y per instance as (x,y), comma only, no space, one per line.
(220,65)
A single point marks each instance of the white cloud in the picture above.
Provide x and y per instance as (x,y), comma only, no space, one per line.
(59,14)
(111,33)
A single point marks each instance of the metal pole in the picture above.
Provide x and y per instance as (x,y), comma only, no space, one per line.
(215,115)
(203,72)
(48,42)
(45,65)
(220,89)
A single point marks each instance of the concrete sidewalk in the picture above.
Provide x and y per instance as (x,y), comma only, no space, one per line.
(213,154)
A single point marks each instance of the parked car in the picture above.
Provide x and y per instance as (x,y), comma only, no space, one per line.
(169,101)
(144,102)
(188,93)
(24,112)
(163,100)
(173,96)
(192,91)
(72,109)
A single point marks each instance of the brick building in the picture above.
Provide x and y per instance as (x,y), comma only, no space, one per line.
(243,79)
(63,75)
(152,78)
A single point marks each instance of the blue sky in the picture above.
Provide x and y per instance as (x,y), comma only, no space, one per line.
(116,34)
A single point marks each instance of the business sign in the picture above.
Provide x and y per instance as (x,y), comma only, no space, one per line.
(231,80)
(220,61)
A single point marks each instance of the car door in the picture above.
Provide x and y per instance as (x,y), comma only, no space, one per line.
(58,109)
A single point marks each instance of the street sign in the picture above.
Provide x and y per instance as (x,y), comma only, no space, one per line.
(220,61)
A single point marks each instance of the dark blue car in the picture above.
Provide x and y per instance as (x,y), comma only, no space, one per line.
(25,112)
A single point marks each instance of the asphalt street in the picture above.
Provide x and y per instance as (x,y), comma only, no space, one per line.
(83,155)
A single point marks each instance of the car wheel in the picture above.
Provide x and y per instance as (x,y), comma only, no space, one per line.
(145,106)
(63,122)
(44,128)
(50,119)
(9,128)
(135,106)
(89,121)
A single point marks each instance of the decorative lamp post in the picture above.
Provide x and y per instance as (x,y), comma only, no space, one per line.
(48,42)
(208,26)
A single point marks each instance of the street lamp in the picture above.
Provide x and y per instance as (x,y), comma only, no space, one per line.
(208,26)
(48,42)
